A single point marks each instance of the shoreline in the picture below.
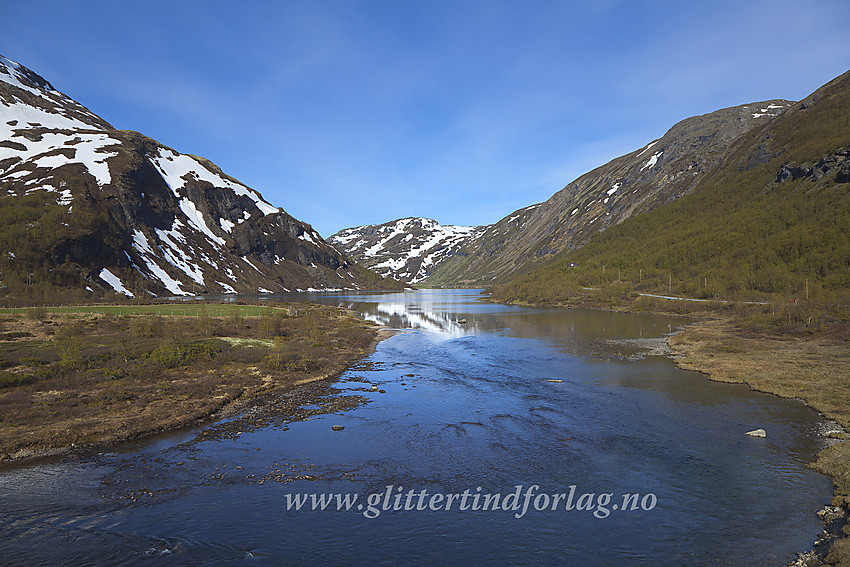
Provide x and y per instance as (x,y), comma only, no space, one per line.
(785,367)
(300,392)
(178,396)
(713,346)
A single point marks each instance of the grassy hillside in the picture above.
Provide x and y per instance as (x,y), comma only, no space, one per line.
(771,222)
(47,242)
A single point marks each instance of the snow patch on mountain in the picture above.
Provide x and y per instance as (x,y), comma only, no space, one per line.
(770,110)
(53,150)
(115,282)
(196,219)
(174,167)
(652,161)
(15,74)
(26,116)
(311,239)
(140,242)
(176,255)
(644,150)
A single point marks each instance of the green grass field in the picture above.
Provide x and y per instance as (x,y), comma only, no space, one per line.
(171,309)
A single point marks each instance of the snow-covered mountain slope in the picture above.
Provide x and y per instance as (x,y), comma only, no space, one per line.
(87,206)
(406,249)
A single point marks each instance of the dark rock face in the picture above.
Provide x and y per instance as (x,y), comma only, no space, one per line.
(80,250)
(836,165)
(792,173)
(760,157)
(137,213)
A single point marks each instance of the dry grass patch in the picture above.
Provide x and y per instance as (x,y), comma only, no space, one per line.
(815,369)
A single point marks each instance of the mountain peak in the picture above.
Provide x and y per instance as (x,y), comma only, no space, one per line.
(87,206)
(408,249)
(17,75)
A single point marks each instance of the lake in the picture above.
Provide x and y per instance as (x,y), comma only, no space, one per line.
(479,434)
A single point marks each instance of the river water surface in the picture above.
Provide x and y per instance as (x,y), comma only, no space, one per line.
(514,401)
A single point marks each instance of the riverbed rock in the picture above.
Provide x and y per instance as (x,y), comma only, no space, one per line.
(830,513)
(757,433)
(804,559)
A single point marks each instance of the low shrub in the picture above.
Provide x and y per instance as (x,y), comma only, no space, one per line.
(11,379)
(175,355)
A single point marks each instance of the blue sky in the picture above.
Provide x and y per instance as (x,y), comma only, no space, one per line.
(357,112)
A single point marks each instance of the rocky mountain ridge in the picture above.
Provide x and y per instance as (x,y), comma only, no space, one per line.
(769,223)
(661,172)
(87,206)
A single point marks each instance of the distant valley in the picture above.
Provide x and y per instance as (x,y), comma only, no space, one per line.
(659,173)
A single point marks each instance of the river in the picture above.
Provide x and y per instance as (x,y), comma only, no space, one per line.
(600,450)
